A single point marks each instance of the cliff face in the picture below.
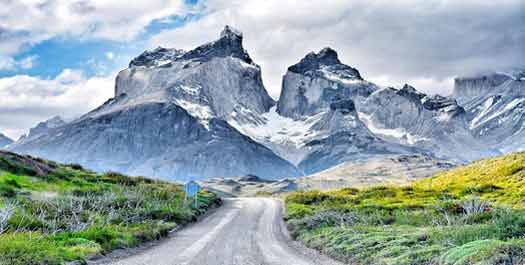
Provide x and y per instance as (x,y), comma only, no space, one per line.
(159,140)
(495,104)
(219,76)
(316,124)
(310,86)
(466,88)
(167,118)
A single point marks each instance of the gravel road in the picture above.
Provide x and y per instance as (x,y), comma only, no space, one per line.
(244,231)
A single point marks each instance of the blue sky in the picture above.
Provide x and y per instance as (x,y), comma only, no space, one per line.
(94,56)
(60,57)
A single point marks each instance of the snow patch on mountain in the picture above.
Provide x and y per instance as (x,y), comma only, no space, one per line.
(482,117)
(497,108)
(398,133)
(284,135)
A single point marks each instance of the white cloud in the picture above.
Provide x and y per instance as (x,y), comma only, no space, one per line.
(27,100)
(110,55)
(430,86)
(28,62)
(423,42)
(26,22)
(8,63)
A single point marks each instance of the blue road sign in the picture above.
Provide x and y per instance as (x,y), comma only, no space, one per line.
(192,188)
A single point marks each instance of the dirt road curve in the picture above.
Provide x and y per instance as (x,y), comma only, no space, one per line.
(245,231)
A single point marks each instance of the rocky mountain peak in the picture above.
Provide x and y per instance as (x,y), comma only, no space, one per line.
(4,140)
(44,126)
(156,57)
(327,57)
(318,79)
(55,121)
(228,44)
(215,80)
(231,33)
(410,92)
(408,89)
(442,104)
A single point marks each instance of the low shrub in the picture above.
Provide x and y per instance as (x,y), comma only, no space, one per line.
(307,197)
(297,211)
(7,191)
(488,251)
(510,223)
(469,215)
(68,213)
(330,218)
(75,166)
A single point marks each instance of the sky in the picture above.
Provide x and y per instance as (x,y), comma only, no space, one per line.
(60,57)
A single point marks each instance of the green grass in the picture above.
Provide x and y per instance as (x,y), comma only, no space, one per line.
(500,179)
(70,214)
(469,215)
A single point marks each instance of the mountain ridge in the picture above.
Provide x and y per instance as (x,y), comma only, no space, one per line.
(327,114)
(4,140)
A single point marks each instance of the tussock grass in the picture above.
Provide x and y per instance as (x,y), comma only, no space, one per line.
(53,214)
(473,214)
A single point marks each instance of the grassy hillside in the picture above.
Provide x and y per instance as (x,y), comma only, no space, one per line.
(500,179)
(52,213)
(469,215)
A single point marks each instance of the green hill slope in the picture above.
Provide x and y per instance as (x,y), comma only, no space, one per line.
(468,215)
(500,179)
(52,213)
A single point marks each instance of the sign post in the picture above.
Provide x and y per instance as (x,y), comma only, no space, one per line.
(191,189)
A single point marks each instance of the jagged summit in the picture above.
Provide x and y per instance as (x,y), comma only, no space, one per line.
(168,118)
(325,60)
(231,33)
(442,104)
(44,126)
(410,92)
(156,57)
(313,61)
(228,44)
(310,86)
(409,88)
(216,79)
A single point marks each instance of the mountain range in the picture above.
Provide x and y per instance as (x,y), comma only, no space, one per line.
(205,113)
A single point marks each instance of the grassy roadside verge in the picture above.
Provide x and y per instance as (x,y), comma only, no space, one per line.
(470,215)
(52,213)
